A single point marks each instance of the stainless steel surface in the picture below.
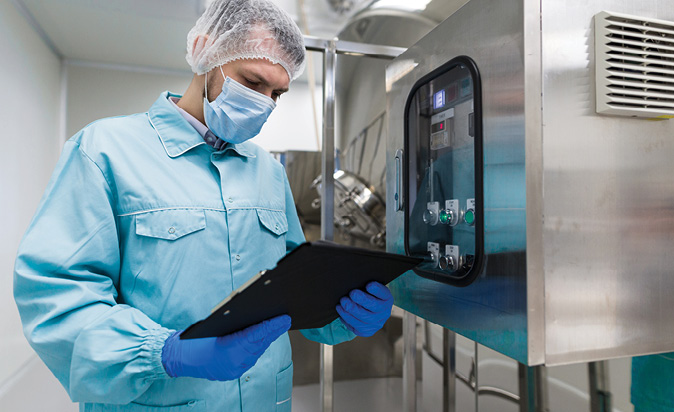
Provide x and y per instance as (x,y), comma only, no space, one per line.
(608,253)
(409,362)
(600,387)
(533,164)
(578,256)
(327,209)
(448,371)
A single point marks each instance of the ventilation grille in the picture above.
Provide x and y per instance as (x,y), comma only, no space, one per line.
(635,66)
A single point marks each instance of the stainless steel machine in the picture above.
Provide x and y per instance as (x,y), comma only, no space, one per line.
(529,160)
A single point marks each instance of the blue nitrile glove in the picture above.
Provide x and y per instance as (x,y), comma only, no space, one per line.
(224,358)
(365,313)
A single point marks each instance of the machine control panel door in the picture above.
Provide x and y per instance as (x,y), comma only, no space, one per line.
(443,184)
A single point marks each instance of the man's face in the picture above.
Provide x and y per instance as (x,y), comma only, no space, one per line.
(260,75)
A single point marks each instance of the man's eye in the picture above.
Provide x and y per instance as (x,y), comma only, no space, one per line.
(252,82)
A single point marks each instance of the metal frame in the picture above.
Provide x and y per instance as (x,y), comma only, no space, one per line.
(600,390)
(330,49)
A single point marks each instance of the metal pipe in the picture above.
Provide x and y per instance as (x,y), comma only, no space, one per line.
(448,370)
(541,376)
(482,390)
(313,43)
(600,392)
(409,362)
(526,381)
(328,204)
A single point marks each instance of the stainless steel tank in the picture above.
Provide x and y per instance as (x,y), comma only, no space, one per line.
(570,250)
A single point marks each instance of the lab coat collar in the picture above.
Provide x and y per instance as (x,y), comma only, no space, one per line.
(176,134)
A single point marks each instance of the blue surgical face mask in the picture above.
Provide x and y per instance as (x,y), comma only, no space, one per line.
(238,113)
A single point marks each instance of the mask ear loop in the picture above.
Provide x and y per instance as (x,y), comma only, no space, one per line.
(224,79)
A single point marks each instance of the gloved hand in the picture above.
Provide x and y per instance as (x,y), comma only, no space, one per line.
(224,358)
(365,313)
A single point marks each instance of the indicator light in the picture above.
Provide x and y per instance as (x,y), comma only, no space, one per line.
(445,216)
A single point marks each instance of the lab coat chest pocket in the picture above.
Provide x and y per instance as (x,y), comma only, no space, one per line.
(170,224)
(165,243)
(274,221)
(284,388)
(273,227)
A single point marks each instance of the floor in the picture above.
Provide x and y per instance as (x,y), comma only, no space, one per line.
(367,395)
(371,395)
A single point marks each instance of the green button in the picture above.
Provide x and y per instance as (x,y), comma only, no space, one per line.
(445,216)
(469,217)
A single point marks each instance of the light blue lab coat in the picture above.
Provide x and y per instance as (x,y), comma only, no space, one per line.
(143,229)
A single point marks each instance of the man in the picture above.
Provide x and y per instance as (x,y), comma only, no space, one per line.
(150,220)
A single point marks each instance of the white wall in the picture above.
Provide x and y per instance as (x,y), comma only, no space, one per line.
(94,93)
(291,124)
(29,129)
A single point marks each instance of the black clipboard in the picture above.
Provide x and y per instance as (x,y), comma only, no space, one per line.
(306,284)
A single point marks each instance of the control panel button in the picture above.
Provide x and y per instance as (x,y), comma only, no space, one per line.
(432,214)
(446,216)
(447,262)
(469,217)
(450,214)
(469,214)
(434,252)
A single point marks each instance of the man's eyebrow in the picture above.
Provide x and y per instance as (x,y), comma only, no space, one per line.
(259,78)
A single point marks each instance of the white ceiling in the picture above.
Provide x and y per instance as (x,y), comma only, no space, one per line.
(147,33)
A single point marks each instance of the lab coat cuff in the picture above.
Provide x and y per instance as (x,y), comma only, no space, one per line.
(152,348)
(347,334)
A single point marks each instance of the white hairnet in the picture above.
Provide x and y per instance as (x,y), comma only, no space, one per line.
(245,29)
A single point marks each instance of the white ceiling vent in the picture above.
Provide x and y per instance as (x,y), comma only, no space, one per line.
(635,66)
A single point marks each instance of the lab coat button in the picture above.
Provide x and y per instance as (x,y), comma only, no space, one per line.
(230,200)
(238,257)
(247,378)
(172,230)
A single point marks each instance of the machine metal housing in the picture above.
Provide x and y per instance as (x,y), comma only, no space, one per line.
(583,202)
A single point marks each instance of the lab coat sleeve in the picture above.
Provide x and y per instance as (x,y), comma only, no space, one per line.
(335,332)
(64,285)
